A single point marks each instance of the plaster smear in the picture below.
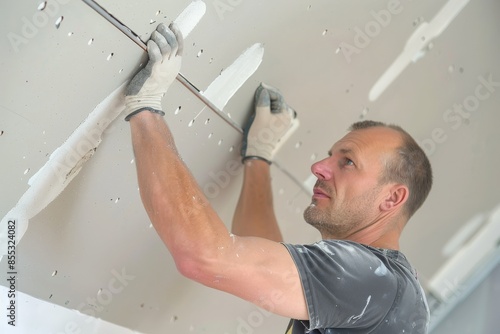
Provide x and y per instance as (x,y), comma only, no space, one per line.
(220,91)
(416,45)
(67,160)
(190,16)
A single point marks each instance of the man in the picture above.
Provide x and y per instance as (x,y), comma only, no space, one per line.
(353,281)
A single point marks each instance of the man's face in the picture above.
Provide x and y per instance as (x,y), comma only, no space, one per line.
(347,194)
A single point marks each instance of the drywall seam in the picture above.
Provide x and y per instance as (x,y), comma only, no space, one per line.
(62,167)
(186,21)
(415,46)
(67,160)
(234,76)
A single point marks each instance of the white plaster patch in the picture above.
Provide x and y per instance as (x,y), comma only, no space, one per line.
(232,78)
(381,270)
(326,248)
(355,318)
(190,16)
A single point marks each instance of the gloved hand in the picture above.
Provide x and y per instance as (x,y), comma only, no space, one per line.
(146,89)
(267,126)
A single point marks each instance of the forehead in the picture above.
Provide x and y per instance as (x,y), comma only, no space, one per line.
(369,143)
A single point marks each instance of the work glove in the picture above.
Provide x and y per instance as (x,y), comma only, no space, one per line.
(269,124)
(147,87)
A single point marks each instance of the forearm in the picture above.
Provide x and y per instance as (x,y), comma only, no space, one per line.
(254,214)
(177,208)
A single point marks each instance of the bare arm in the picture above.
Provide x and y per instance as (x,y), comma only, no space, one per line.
(254,214)
(272,119)
(256,269)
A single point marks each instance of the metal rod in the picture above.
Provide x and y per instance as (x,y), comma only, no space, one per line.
(195,91)
(117,23)
(136,39)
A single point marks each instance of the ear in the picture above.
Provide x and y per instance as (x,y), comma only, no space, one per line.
(396,197)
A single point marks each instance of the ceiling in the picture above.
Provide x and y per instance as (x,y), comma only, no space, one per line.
(325,56)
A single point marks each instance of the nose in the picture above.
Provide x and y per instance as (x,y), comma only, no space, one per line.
(321,170)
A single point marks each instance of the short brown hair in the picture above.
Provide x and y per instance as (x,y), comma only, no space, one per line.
(410,166)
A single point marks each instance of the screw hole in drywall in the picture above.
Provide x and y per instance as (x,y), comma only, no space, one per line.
(191,122)
(54,273)
(90,41)
(210,135)
(42,5)
(220,142)
(206,122)
(1,132)
(58,21)
(364,112)
(178,110)
(110,56)
(70,34)
(200,53)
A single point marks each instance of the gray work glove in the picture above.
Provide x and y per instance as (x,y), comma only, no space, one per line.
(272,119)
(147,87)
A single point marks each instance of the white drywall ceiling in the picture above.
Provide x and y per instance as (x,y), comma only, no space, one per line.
(97,227)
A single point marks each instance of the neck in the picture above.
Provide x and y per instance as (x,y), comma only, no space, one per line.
(382,233)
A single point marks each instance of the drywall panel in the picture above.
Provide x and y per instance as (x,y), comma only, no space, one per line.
(50,74)
(45,317)
(96,233)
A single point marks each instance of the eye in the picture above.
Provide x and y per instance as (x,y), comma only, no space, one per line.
(348,162)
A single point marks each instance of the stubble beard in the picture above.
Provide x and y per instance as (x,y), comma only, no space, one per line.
(325,222)
(340,222)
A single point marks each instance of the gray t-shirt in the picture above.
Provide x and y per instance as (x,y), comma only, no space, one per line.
(353,288)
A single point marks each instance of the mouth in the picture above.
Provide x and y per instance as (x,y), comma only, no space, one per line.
(319,193)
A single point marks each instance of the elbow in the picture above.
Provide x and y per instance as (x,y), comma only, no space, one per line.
(198,269)
(188,267)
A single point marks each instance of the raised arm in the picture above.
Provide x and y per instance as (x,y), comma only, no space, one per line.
(255,269)
(254,214)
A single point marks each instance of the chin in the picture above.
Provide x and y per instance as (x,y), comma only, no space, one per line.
(314,216)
